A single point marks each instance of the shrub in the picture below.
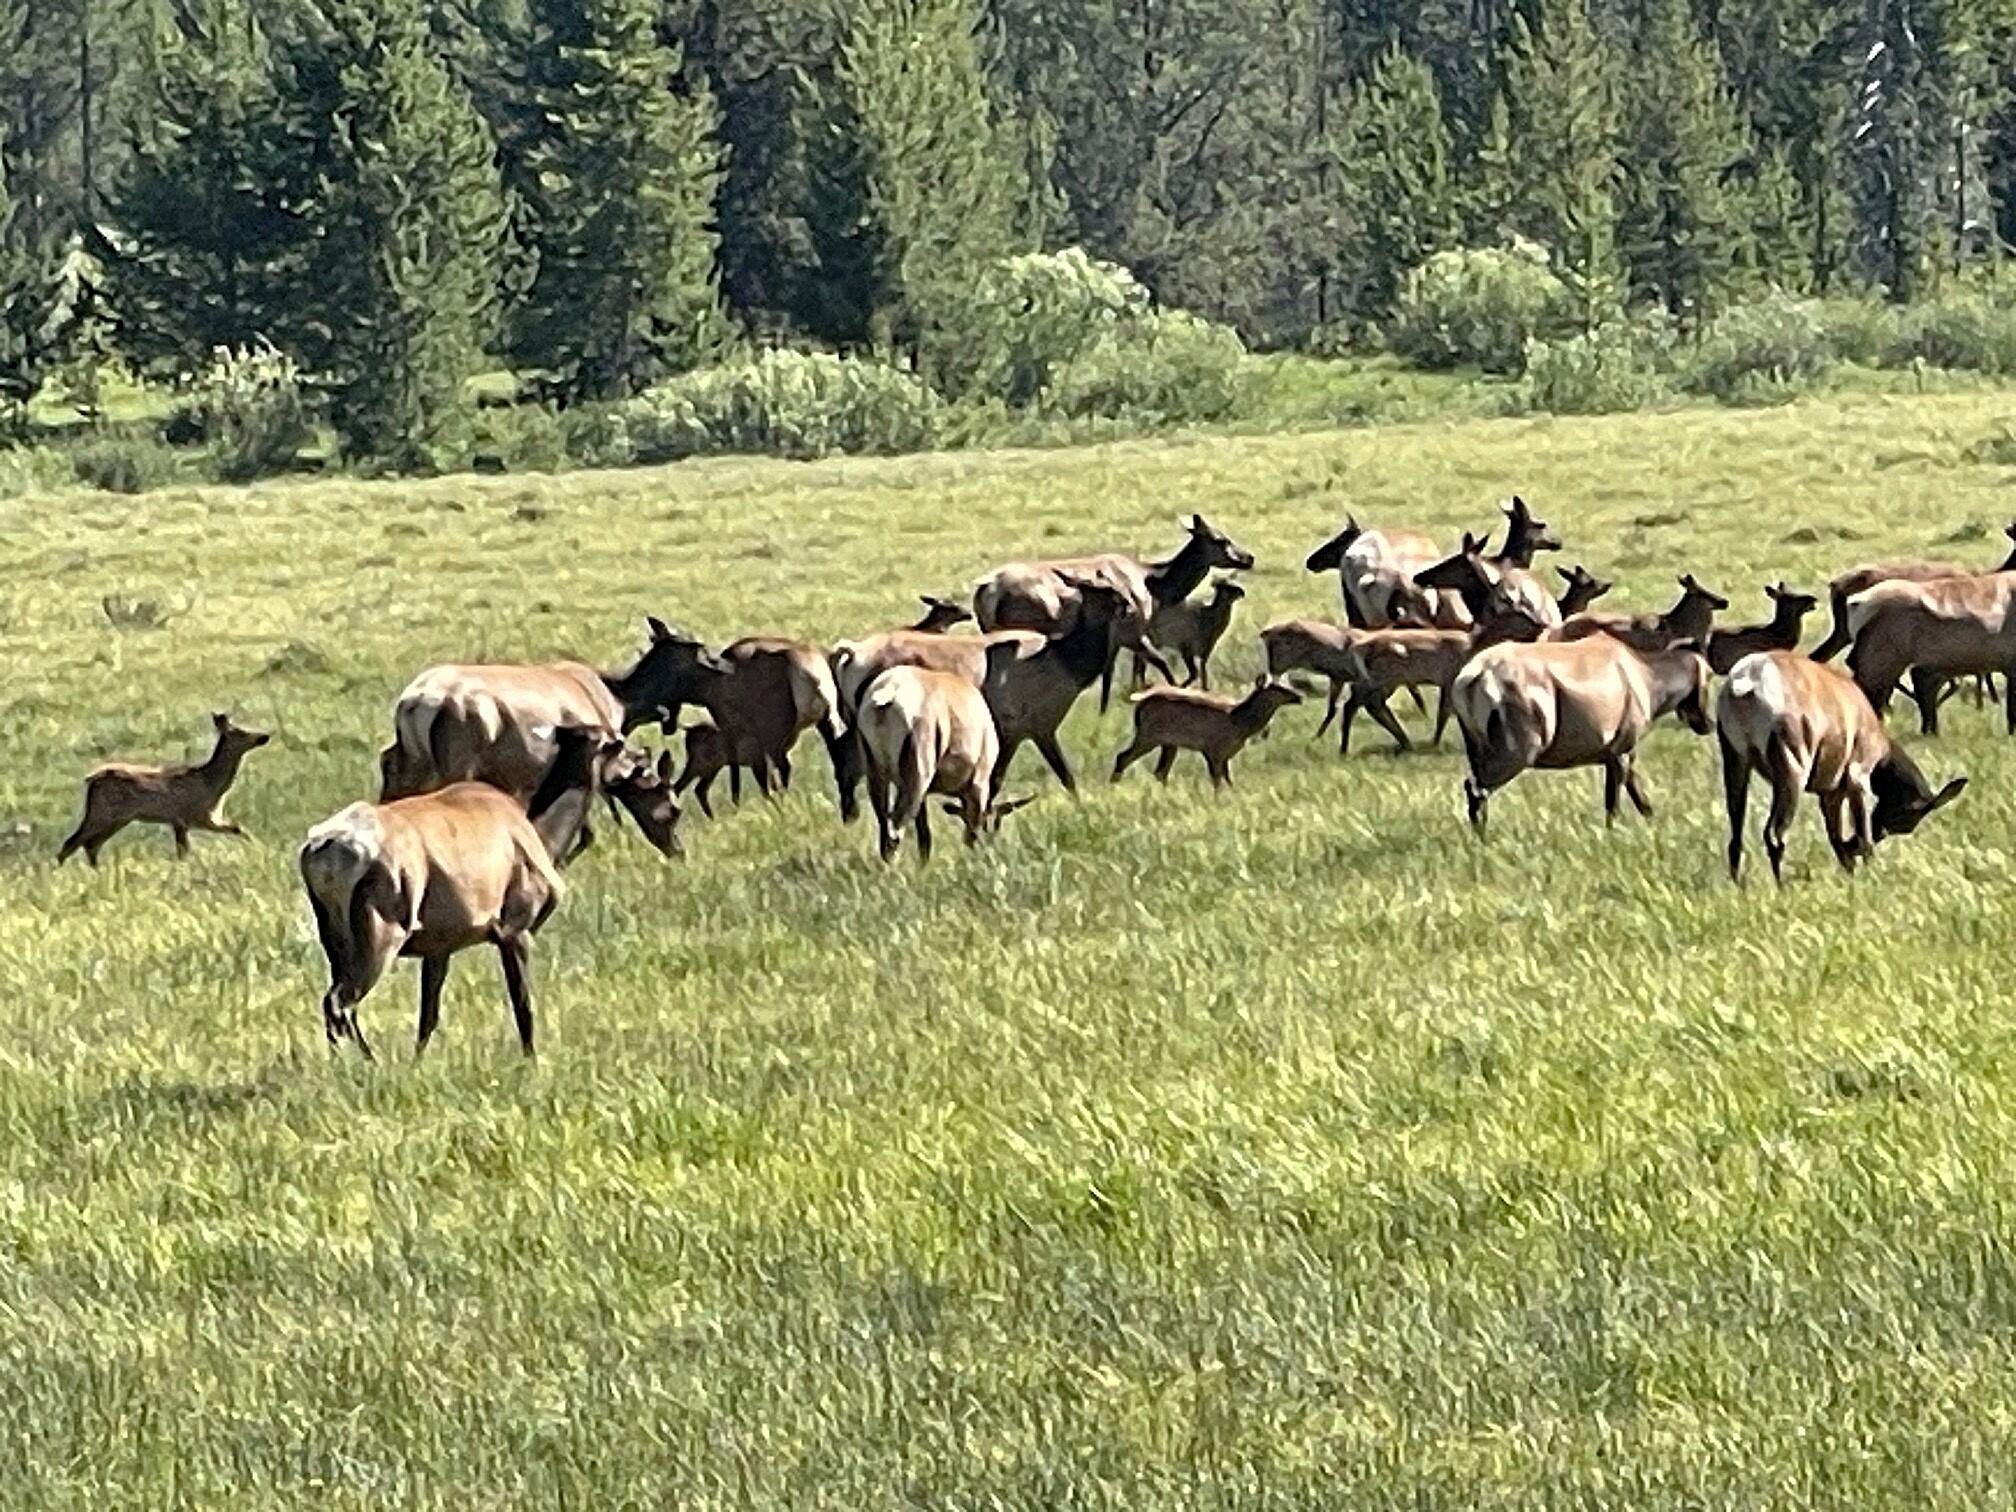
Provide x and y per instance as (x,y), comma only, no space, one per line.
(1966,331)
(1032,317)
(1618,366)
(248,403)
(784,403)
(124,461)
(1771,348)
(1861,331)
(1163,367)
(1480,305)
(34,469)
(519,438)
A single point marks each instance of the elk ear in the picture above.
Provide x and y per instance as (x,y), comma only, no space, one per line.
(1198,526)
(657,629)
(1947,794)
(221,721)
(1351,523)
(1002,810)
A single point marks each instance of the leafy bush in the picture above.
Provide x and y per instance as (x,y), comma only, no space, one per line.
(595,435)
(1480,305)
(1861,331)
(248,403)
(1966,331)
(520,438)
(784,403)
(1618,366)
(34,469)
(124,461)
(1159,368)
(1768,349)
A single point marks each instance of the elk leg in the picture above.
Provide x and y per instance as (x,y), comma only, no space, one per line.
(1441,715)
(1831,804)
(886,839)
(1200,672)
(1786,783)
(1001,765)
(1221,771)
(1736,797)
(735,784)
(784,773)
(1128,757)
(1054,754)
(516,952)
(1613,785)
(761,767)
(1415,694)
(924,831)
(1925,690)
(1164,763)
(1635,788)
(2009,705)
(845,749)
(1860,813)
(433,972)
(1330,710)
(181,833)
(96,842)
(1351,707)
(700,791)
(1383,717)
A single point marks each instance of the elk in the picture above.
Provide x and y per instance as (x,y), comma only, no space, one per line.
(1044,596)
(1473,576)
(1690,620)
(1559,704)
(481,723)
(429,876)
(1809,729)
(1192,630)
(1861,579)
(1937,630)
(1376,663)
(1030,681)
(939,615)
(1375,573)
(1581,588)
(772,691)
(1217,727)
(183,797)
(1779,633)
(925,733)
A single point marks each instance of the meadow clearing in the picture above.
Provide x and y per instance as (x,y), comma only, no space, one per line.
(1280,1149)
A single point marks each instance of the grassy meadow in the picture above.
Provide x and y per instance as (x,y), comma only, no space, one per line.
(1279,1149)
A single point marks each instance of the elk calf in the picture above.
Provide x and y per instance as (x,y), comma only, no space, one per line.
(925,732)
(184,797)
(1581,588)
(1211,724)
(1192,629)
(429,876)
(1779,633)
(1690,619)
(1810,729)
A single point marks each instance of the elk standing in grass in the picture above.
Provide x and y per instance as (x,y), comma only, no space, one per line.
(1375,573)
(1475,577)
(1861,579)
(429,876)
(1809,729)
(1937,631)
(1558,704)
(183,797)
(925,733)
(1779,633)
(1214,725)
(1192,630)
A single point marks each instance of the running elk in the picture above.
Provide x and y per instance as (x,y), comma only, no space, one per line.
(183,797)
(1214,725)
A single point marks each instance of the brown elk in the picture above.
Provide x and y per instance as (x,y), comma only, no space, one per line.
(1691,619)
(1580,589)
(183,797)
(1474,576)
(1808,729)
(1216,726)
(773,690)
(433,875)
(939,615)
(1938,630)
(925,732)
(1789,609)
(1861,579)
(1375,573)
(1193,628)
(1044,596)
(1559,704)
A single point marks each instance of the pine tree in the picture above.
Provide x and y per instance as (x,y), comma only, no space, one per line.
(1563,145)
(1894,141)
(30,290)
(405,221)
(914,188)
(35,222)
(1397,164)
(1683,223)
(618,203)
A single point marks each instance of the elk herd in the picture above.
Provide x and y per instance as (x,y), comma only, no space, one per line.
(494,772)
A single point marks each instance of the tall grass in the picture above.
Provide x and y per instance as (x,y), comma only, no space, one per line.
(1285,1149)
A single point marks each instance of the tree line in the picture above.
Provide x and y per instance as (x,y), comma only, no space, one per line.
(599,193)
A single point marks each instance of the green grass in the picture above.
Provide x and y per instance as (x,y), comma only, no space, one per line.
(1287,1149)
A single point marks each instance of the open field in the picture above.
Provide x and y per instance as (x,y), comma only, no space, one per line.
(1280,1149)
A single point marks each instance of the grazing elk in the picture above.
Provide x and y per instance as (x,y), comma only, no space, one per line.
(1044,596)
(1809,729)
(1858,580)
(1030,681)
(1558,704)
(1375,573)
(1192,630)
(1692,619)
(925,733)
(184,797)
(1789,609)
(1938,630)
(483,723)
(428,876)
(1580,589)
(1214,725)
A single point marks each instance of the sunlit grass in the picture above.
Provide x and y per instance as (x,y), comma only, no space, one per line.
(1279,1149)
